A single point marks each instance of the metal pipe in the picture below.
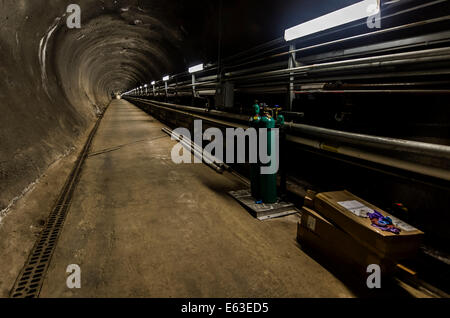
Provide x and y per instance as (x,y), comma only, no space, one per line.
(359,36)
(209,156)
(186,143)
(355,37)
(201,110)
(429,55)
(406,26)
(435,150)
(440,71)
(427,40)
(395,84)
(200,154)
(280,86)
(384,160)
(264,67)
(398,145)
(366,91)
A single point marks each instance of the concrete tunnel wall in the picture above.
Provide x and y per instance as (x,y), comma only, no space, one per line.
(54,80)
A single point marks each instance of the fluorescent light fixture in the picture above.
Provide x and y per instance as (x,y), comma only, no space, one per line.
(166,78)
(153,83)
(196,68)
(360,10)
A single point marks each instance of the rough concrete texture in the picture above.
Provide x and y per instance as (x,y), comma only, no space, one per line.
(20,229)
(142,226)
(53,80)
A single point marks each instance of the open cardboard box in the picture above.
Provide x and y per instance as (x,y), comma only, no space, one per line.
(336,246)
(347,211)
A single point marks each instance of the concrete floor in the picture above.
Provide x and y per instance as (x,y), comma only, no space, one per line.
(21,226)
(141,226)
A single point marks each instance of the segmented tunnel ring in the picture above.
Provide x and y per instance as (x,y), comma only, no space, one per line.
(29,282)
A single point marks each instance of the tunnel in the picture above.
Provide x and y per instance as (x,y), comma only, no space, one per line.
(97,98)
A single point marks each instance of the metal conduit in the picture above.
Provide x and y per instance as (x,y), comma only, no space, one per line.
(398,145)
(436,150)
(359,36)
(380,159)
(200,110)
(429,55)
(209,161)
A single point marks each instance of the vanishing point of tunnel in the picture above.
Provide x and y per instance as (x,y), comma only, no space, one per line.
(224,149)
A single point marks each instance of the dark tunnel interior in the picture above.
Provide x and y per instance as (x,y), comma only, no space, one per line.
(57,79)
(57,82)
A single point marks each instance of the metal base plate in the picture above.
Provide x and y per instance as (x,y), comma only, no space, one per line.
(263,211)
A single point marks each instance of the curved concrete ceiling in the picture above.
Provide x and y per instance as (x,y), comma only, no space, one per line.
(54,80)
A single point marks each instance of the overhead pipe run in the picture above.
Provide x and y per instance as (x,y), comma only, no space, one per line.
(397,145)
(390,60)
(380,159)
(218,113)
(293,50)
(341,41)
(196,150)
(274,77)
(400,145)
(421,56)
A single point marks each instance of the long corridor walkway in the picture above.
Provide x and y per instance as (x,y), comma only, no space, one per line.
(141,226)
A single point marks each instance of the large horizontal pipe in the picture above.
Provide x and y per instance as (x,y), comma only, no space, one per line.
(277,87)
(373,85)
(199,149)
(303,49)
(400,145)
(355,76)
(372,91)
(380,159)
(342,40)
(195,151)
(422,56)
(427,40)
(433,55)
(370,34)
(282,44)
(200,110)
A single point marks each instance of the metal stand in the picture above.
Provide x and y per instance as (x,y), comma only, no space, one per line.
(263,211)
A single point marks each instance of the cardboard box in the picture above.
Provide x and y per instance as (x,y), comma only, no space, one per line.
(347,212)
(340,250)
(309,199)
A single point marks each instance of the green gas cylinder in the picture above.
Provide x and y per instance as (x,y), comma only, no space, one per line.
(255,168)
(280,120)
(268,182)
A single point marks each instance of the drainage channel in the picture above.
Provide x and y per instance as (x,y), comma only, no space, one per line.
(29,282)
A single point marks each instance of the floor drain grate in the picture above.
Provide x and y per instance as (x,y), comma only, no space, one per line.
(29,282)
